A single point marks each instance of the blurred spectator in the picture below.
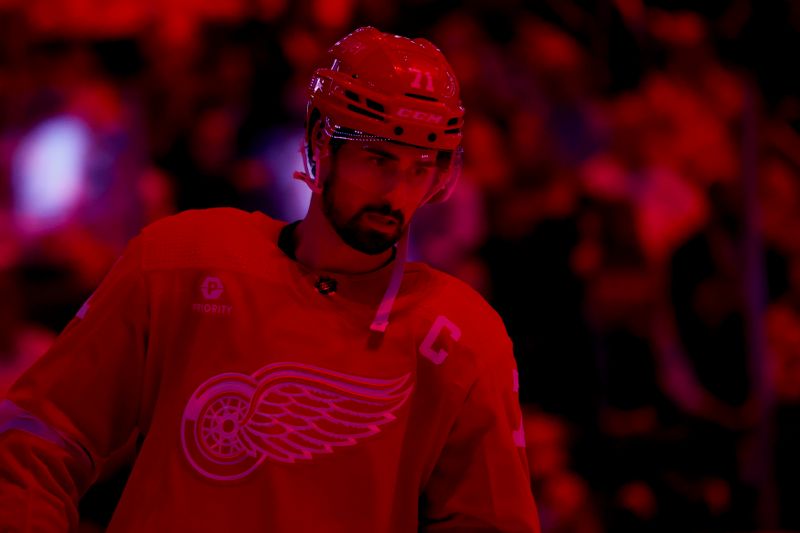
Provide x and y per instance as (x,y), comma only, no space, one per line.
(21,341)
(555,79)
(636,169)
(783,335)
(707,294)
(448,236)
(564,499)
(600,210)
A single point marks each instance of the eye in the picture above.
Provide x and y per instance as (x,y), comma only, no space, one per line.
(422,171)
(377,161)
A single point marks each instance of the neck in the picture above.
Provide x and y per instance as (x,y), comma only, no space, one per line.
(319,247)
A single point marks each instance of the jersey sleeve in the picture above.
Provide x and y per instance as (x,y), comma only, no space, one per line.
(77,405)
(481,482)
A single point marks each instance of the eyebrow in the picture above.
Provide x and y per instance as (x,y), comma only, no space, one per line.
(388,155)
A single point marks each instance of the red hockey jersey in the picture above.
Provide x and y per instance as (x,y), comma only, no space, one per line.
(263,400)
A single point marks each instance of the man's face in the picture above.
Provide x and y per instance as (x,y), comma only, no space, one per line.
(373,190)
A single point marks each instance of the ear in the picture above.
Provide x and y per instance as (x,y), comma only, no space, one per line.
(320,152)
(313,139)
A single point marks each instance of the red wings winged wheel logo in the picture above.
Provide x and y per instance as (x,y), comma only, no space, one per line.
(284,412)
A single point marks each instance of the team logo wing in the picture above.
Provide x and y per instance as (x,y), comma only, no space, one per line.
(285,412)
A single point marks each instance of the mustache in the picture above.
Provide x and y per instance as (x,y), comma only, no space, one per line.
(385,210)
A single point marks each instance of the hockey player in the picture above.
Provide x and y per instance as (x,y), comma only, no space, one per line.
(290,377)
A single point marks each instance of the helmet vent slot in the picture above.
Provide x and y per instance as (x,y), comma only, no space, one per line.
(352,96)
(453,121)
(422,97)
(364,112)
(372,104)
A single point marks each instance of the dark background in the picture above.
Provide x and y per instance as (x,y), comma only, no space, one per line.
(629,206)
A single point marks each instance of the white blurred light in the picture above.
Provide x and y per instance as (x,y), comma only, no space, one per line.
(282,157)
(48,172)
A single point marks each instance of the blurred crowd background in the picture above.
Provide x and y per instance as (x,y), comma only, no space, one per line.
(629,206)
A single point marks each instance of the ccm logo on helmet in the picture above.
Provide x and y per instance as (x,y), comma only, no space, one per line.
(421,116)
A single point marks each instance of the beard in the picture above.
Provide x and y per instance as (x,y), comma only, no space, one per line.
(355,231)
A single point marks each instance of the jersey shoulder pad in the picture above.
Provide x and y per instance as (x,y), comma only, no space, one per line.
(481,327)
(221,238)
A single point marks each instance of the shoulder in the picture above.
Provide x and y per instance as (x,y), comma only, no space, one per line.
(224,238)
(462,309)
(451,296)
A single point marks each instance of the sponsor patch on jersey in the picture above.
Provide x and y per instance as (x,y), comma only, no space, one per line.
(211,289)
(212,309)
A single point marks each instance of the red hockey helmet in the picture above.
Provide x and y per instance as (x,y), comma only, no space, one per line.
(387,87)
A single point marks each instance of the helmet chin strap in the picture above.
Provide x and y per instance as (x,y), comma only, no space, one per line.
(381,320)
